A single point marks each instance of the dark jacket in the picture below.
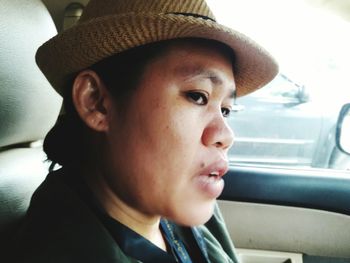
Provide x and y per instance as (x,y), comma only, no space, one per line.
(61,228)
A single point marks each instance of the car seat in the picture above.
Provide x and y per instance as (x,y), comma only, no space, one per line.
(28,107)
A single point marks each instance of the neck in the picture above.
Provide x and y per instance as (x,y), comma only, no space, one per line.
(146,225)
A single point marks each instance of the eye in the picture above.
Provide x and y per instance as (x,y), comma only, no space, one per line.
(226,112)
(197,97)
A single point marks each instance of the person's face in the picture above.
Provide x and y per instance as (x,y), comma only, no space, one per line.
(169,150)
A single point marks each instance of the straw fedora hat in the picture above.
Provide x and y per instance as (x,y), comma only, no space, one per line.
(108,27)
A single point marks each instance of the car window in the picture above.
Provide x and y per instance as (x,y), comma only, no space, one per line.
(281,88)
(292,121)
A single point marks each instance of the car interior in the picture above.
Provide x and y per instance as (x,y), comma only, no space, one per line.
(28,109)
(273,214)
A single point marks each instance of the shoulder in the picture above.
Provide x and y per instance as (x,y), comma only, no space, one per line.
(217,239)
(59,227)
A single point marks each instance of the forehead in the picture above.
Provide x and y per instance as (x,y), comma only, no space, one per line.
(199,47)
(195,58)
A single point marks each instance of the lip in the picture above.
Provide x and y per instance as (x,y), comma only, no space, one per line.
(220,166)
(212,186)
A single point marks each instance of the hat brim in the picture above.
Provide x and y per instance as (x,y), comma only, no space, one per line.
(87,43)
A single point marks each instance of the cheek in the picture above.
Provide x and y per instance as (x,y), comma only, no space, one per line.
(161,141)
(165,126)
(177,136)
(155,155)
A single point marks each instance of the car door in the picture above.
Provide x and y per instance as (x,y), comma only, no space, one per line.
(288,215)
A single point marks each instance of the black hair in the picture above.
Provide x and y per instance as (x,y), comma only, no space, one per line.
(121,74)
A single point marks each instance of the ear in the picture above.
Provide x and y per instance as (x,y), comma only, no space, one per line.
(92,100)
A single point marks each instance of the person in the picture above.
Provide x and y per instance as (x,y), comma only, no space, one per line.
(142,143)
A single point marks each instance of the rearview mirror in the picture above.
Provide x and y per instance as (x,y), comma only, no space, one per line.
(343,129)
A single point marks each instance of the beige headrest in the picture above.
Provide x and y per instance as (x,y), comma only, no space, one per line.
(28,105)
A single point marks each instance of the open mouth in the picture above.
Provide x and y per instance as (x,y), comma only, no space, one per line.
(214,176)
(210,179)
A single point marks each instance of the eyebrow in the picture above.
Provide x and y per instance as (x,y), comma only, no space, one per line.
(192,72)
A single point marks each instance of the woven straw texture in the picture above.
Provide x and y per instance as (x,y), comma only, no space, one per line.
(108,27)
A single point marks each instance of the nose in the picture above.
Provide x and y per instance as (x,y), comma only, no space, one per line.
(218,134)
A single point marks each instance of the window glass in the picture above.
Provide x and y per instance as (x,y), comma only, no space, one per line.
(292,121)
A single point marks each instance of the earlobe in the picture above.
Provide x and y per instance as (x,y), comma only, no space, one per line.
(91,100)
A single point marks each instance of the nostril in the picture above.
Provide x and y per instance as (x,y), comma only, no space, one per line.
(219,144)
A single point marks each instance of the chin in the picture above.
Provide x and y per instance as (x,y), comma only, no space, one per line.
(194,214)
